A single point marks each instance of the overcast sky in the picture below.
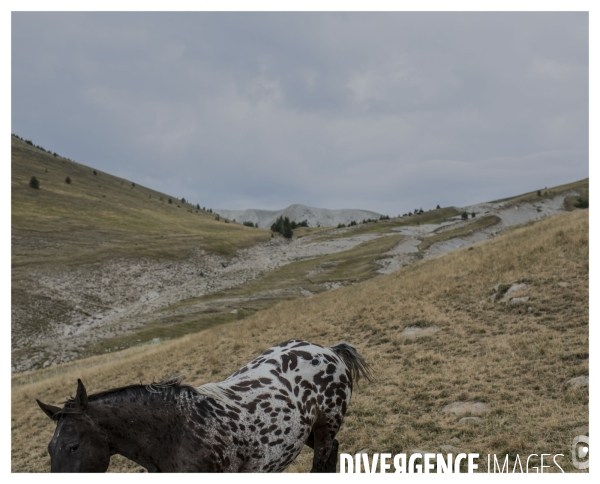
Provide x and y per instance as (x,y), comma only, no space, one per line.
(380,111)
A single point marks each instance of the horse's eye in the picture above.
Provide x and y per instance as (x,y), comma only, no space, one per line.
(72,448)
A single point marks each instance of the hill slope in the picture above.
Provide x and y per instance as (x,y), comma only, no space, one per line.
(514,358)
(316,217)
(100,215)
(71,241)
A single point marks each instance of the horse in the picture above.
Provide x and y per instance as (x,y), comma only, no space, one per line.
(256,420)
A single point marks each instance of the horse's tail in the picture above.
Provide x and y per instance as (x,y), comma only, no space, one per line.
(356,364)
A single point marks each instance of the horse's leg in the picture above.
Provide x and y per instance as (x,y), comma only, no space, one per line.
(333,457)
(310,441)
(325,447)
(332,461)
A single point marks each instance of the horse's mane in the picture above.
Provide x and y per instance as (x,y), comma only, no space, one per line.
(173,382)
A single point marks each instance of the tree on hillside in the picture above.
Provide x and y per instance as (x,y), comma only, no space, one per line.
(283,226)
(34,182)
(68,180)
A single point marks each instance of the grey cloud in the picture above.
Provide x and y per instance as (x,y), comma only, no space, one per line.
(381,111)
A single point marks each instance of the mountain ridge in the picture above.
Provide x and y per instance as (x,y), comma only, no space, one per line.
(297,213)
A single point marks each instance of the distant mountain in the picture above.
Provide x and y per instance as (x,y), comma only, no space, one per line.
(297,213)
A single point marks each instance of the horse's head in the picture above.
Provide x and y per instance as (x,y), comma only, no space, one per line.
(78,444)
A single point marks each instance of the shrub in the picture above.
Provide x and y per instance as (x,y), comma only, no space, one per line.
(249,224)
(473,215)
(68,180)
(464,215)
(539,193)
(352,223)
(438,207)
(341,226)
(170,201)
(132,184)
(217,217)
(582,202)
(95,173)
(182,200)
(34,182)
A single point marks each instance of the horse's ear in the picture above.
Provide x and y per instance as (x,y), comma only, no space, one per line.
(81,398)
(49,410)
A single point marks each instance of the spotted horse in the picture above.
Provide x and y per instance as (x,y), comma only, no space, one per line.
(256,420)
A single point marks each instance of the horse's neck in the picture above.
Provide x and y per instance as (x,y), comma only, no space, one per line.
(144,428)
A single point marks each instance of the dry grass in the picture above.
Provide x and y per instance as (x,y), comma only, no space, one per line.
(515,360)
(546,192)
(102,216)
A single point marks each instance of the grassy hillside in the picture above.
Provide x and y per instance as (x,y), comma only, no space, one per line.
(516,359)
(543,193)
(98,216)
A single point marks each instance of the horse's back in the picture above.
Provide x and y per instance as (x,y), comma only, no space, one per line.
(282,394)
